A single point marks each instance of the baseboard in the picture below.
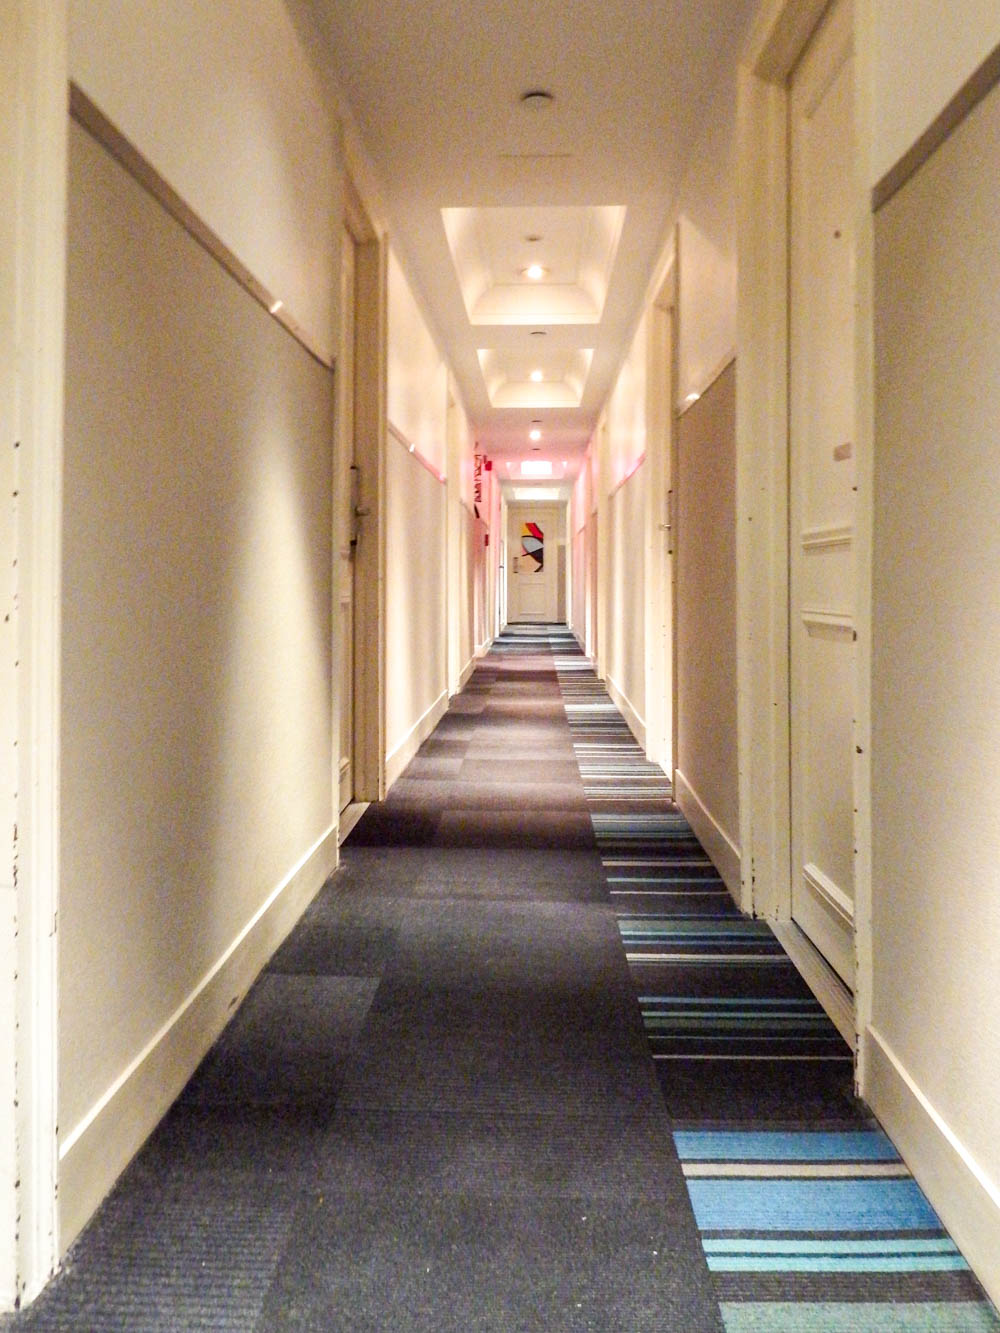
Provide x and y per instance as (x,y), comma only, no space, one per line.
(820,977)
(965,1199)
(96,1151)
(465,675)
(724,853)
(401,755)
(635,723)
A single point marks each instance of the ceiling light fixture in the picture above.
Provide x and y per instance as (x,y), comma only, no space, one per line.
(534,435)
(538,333)
(535,272)
(536,377)
(274,307)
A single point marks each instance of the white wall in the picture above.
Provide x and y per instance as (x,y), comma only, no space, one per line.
(236,82)
(935,1014)
(922,56)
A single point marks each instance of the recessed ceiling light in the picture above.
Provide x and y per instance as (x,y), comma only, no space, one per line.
(534,271)
(536,467)
(537,99)
(275,306)
(536,377)
(534,435)
(691,398)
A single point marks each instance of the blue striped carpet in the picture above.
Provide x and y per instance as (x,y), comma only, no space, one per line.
(809,1220)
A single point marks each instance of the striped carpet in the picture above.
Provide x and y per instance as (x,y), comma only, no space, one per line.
(809,1220)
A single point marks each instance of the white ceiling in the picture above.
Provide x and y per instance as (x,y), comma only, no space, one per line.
(470,173)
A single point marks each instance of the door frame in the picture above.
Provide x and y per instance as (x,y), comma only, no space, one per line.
(661,473)
(513,512)
(370,436)
(779,36)
(33,82)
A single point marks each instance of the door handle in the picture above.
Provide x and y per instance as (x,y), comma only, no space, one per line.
(357,510)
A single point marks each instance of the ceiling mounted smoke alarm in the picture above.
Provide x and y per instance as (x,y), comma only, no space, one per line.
(537,99)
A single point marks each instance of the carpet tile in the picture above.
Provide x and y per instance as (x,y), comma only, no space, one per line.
(809,1219)
(522,1065)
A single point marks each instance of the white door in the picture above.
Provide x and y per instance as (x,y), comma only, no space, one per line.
(533,543)
(821,490)
(346,494)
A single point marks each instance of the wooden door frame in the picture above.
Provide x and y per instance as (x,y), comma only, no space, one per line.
(661,471)
(514,508)
(370,435)
(780,34)
(33,84)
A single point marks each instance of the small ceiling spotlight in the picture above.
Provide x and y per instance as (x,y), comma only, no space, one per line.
(691,398)
(535,272)
(536,377)
(537,99)
(534,434)
(274,307)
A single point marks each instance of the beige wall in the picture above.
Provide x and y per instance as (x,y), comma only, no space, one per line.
(235,80)
(935,686)
(8,681)
(196,656)
(706,622)
(418,375)
(921,58)
(416,603)
(626,411)
(624,653)
(418,569)
(707,253)
(197,814)
(622,475)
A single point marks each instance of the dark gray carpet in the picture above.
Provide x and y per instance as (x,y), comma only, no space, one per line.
(436,1110)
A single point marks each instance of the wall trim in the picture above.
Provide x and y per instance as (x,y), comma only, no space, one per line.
(411,448)
(87,114)
(465,675)
(636,724)
(401,754)
(820,977)
(685,405)
(965,101)
(96,1150)
(967,1201)
(723,852)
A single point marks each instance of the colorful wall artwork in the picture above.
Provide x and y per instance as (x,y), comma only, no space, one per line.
(533,547)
